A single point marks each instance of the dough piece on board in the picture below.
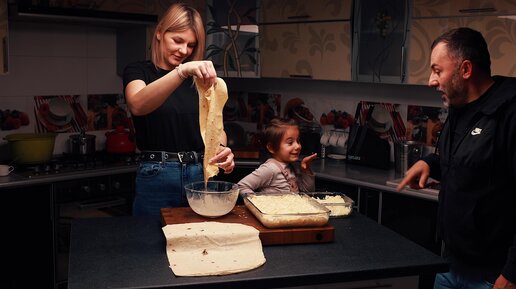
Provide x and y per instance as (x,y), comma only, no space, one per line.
(212,248)
(211,103)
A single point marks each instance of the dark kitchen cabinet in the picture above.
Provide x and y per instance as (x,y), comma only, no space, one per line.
(413,218)
(380,32)
(4,39)
(28,237)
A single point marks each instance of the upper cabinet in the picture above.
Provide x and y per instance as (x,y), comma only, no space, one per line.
(379,40)
(446,8)
(494,21)
(305,39)
(232,37)
(281,11)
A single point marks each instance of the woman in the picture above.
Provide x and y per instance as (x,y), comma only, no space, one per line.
(165,108)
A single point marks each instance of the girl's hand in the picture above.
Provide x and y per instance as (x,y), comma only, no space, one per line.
(224,159)
(305,163)
(202,69)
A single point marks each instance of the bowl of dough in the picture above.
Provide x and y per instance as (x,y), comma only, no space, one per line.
(212,199)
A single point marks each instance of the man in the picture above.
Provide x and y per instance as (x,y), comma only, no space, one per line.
(475,162)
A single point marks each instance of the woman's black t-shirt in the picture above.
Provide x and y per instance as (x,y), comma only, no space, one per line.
(174,126)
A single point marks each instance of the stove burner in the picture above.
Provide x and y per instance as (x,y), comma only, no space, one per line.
(76,162)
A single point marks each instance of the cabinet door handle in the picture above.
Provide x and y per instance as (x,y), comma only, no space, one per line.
(403,64)
(299,17)
(477,10)
(5,55)
(300,75)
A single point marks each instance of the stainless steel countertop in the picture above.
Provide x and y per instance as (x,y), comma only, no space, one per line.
(324,169)
(15,180)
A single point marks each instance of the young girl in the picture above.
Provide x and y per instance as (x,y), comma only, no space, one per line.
(278,174)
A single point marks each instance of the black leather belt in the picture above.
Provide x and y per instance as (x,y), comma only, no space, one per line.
(161,156)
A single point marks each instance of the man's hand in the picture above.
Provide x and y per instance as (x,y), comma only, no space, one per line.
(416,177)
(502,283)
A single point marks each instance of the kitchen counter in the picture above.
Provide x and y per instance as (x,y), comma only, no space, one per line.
(363,176)
(129,252)
(14,179)
(357,175)
(325,169)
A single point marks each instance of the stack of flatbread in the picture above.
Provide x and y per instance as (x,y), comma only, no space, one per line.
(211,104)
(212,248)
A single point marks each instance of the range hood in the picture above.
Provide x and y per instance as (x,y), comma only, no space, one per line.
(78,15)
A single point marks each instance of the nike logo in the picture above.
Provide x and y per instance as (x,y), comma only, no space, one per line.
(476,131)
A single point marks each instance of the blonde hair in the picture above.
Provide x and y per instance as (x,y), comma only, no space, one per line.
(179,17)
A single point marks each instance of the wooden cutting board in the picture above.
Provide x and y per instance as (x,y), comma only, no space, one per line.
(241,215)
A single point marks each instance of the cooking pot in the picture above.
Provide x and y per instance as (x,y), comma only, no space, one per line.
(81,144)
(120,141)
(31,148)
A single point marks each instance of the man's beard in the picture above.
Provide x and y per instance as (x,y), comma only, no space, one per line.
(456,93)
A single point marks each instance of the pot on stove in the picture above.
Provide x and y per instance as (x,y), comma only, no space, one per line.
(81,144)
(120,141)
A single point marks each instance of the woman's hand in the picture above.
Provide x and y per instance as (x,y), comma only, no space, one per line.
(416,177)
(305,163)
(202,69)
(224,159)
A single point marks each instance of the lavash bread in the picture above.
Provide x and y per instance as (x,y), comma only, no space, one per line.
(211,103)
(212,248)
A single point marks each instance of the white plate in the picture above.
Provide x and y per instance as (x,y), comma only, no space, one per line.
(60,122)
(337,157)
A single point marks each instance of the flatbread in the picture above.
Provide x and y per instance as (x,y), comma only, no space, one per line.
(212,248)
(211,103)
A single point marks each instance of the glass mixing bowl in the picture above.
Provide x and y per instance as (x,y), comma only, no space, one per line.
(215,199)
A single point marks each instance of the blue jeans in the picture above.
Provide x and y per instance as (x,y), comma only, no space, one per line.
(456,280)
(161,185)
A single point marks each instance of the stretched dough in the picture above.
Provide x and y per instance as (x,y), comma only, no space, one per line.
(212,248)
(211,103)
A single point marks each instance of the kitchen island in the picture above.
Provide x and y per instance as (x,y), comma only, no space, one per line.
(129,252)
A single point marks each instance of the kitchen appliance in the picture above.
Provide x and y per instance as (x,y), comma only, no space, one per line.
(406,153)
(365,147)
(120,141)
(31,148)
(81,144)
(310,135)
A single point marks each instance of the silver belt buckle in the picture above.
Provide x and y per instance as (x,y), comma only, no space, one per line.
(180,157)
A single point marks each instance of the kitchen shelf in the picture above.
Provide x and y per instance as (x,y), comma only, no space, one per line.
(24,13)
